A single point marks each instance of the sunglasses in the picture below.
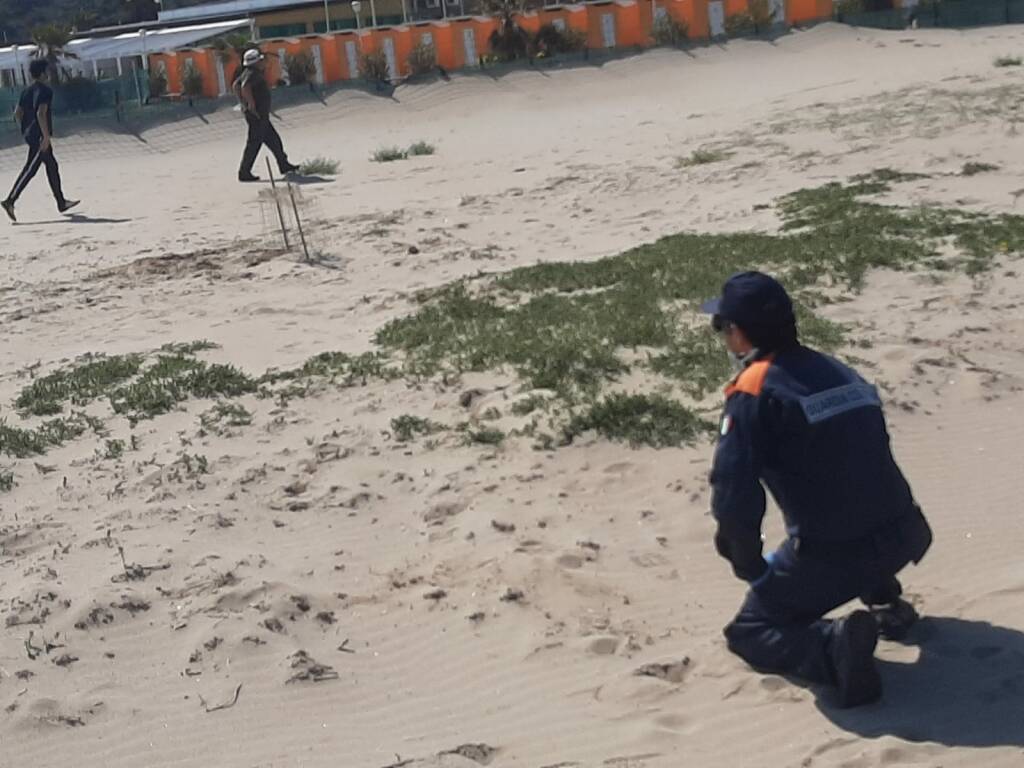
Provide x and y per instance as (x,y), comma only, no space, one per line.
(720,324)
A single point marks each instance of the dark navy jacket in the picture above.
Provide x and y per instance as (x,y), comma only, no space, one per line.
(812,431)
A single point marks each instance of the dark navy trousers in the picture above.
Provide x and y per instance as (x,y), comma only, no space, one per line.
(780,626)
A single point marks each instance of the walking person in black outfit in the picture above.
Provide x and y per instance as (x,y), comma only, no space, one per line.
(35,117)
(254,93)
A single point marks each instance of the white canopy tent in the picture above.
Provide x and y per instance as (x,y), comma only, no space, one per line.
(145,42)
(14,58)
(92,50)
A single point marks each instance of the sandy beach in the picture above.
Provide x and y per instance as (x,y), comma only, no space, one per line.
(300,586)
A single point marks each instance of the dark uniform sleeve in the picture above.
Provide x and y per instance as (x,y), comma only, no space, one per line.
(737,497)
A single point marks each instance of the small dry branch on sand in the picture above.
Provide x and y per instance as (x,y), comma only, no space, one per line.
(134,571)
(225,705)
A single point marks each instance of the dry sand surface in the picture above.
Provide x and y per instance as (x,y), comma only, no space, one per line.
(321,594)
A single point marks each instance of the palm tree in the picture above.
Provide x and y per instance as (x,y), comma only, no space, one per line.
(509,41)
(140,10)
(82,19)
(231,47)
(51,43)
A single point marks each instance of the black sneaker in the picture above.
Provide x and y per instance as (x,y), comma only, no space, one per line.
(67,205)
(895,619)
(290,169)
(8,207)
(853,655)
(248,177)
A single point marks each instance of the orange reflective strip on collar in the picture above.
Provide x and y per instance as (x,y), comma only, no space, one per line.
(751,381)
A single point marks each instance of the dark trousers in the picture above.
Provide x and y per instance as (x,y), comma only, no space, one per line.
(780,627)
(262,132)
(36,159)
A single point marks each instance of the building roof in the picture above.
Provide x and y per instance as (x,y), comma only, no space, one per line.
(130,44)
(10,60)
(225,8)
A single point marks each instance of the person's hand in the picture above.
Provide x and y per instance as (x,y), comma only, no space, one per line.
(46,144)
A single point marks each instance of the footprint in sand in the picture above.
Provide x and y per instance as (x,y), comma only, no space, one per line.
(671,722)
(619,468)
(478,753)
(773,684)
(571,562)
(604,646)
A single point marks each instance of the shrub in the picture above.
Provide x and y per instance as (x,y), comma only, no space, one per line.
(509,41)
(157,83)
(550,40)
(702,156)
(668,31)
(406,427)
(849,8)
(80,94)
(485,436)
(739,24)
(191,80)
(421,148)
(231,50)
(1007,61)
(652,420)
(373,67)
(423,59)
(319,166)
(301,67)
(528,405)
(973,169)
(389,155)
(760,14)
(575,40)
(220,419)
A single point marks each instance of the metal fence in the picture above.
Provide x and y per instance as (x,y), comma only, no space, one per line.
(175,119)
(944,13)
(126,99)
(116,97)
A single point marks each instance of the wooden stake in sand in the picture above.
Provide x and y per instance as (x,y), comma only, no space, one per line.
(280,213)
(298,221)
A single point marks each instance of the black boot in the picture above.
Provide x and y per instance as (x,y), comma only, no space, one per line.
(853,659)
(895,619)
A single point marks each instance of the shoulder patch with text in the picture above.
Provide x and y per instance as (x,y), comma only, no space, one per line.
(833,402)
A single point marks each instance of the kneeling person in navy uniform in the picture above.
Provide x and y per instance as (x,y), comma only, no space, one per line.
(811,431)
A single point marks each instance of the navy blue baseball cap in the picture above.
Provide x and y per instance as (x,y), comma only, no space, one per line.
(752,300)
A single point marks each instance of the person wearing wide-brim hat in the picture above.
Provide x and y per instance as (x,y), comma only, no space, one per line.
(811,431)
(254,94)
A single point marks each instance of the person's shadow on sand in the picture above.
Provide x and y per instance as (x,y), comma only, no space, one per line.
(305,179)
(966,689)
(75,218)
